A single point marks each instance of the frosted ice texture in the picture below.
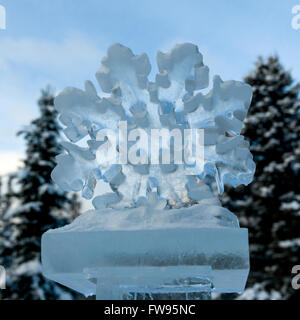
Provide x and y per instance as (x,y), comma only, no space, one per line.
(141,250)
(144,248)
(202,215)
(173,100)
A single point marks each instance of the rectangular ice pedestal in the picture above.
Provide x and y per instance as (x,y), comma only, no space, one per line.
(117,262)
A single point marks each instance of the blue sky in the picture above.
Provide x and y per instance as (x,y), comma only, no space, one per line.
(61,42)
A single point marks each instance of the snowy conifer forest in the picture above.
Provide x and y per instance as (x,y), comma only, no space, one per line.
(30,203)
(270,206)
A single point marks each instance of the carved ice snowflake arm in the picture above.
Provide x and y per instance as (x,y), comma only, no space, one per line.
(221,113)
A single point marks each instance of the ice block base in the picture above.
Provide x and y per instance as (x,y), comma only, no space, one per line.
(115,264)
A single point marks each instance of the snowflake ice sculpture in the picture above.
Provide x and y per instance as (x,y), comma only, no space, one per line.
(173,101)
(196,248)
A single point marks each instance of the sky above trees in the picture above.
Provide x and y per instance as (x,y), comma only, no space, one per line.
(61,42)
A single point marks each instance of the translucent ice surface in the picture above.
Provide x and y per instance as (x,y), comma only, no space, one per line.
(159,228)
(116,252)
(175,100)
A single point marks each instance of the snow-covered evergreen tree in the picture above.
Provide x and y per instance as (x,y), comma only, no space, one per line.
(41,206)
(270,206)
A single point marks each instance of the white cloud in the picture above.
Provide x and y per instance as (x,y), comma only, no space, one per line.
(26,66)
(10,161)
(75,56)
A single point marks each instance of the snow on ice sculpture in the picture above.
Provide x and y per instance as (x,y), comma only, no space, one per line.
(160,230)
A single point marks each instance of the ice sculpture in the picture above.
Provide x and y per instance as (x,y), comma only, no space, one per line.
(160,230)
